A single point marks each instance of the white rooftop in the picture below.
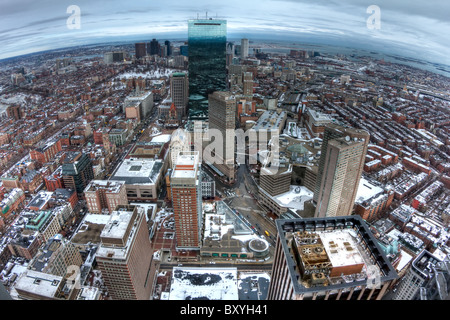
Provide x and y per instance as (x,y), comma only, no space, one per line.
(339,255)
(162,138)
(39,283)
(366,191)
(294,198)
(186,159)
(204,283)
(117,225)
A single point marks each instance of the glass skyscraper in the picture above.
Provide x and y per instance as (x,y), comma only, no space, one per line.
(207,63)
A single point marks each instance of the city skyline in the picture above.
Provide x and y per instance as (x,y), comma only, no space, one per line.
(412,29)
(279,150)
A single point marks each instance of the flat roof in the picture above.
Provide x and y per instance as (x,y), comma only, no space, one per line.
(138,171)
(204,284)
(39,283)
(353,225)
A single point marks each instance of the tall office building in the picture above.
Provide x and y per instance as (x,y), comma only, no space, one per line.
(207,63)
(230,53)
(140,50)
(328,259)
(244,48)
(77,171)
(427,279)
(179,91)
(248,84)
(125,254)
(333,131)
(169,47)
(153,47)
(340,178)
(185,184)
(222,117)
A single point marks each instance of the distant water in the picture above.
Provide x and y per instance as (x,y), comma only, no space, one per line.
(438,68)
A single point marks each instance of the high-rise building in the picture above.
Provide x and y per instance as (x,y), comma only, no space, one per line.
(184,50)
(117,56)
(105,195)
(340,177)
(77,171)
(248,84)
(140,50)
(180,141)
(230,53)
(169,47)
(153,47)
(328,259)
(125,254)
(427,279)
(207,63)
(185,185)
(138,104)
(244,48)
(222,117)
(333,131)
(179,91)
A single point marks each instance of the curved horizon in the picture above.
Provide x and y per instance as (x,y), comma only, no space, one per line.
(408,28)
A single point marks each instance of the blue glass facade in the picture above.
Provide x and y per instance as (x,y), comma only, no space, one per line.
(207,63)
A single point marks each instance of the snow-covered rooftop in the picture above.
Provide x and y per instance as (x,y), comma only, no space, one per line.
(204,284)
(294,198)
(367,190)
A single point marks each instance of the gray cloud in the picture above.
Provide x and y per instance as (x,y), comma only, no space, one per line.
(418,25)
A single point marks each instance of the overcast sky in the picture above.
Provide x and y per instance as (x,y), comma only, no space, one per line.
(414,28)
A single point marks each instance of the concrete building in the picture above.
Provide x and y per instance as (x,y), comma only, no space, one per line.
(222,115)
(138,105)
(124,255)
(56,257)
(143,177)
(244,48)
(208,186)
(271,123)
(185,184)
(248,84)
(427,279)
(140,50)
(317,121)
(180,141)
(333,131)
(339,144)
(328,259)
(179,91)
(340,178)
(276,183)
(35,285)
